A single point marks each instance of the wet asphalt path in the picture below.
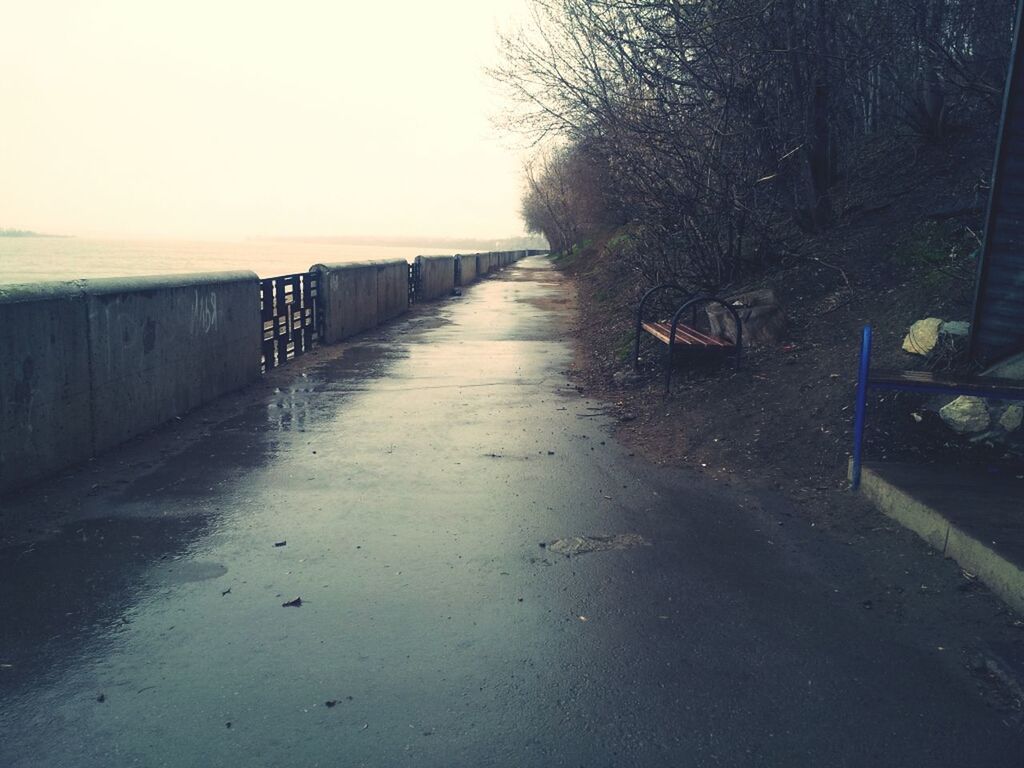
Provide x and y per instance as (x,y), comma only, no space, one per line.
(413,479)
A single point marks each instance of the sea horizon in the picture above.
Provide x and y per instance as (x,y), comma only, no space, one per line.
(45,258)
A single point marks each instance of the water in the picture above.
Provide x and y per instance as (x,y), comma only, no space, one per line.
(34,259)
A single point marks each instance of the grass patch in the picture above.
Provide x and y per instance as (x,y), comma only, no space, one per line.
(937,251)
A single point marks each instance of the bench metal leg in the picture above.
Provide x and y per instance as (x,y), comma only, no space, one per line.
(861,406)
(671,344)
(636,341)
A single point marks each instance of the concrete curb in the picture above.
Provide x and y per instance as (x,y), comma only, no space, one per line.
(1002,576)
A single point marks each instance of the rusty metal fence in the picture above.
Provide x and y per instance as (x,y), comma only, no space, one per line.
(291,315)
(414,281)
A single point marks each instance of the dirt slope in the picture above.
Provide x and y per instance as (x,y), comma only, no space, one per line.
(902,250)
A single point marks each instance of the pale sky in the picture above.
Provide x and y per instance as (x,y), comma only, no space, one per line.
(228,118)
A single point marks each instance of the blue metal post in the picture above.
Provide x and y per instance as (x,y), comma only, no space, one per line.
(861,407)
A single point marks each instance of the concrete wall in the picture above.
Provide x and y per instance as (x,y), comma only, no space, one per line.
(96,362)
(349,299)
(356,297)
(161,346)
(496,260)
(45,403)
(437,276)
(392,289)
(467,266)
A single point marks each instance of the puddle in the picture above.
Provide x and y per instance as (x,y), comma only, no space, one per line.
(581,545)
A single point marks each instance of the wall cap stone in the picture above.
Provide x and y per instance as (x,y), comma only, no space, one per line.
(20,293)
(343,265)
(107,285)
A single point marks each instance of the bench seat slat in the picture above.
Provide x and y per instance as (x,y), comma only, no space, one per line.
(685,335)
(926,381)
(711,341)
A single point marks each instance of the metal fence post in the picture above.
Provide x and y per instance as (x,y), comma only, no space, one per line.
(861,407)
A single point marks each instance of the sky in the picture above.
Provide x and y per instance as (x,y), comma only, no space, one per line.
(225,118)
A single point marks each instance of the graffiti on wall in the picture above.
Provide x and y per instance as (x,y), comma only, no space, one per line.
(204,313)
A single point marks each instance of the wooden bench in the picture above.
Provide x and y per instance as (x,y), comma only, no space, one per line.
(674,332)
(684,335)
(923,382)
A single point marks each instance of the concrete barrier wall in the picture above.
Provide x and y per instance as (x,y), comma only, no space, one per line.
(45,403)
(392,289)
(161,346)
(437,276)
(356,297)
(349,299)
(97,362)
(467,267)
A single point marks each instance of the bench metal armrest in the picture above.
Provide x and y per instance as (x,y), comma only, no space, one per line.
(692,304)
(640,315)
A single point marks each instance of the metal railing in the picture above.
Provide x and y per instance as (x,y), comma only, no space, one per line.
(291,315)
(414,281)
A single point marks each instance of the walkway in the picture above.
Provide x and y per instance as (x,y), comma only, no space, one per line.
(411,482)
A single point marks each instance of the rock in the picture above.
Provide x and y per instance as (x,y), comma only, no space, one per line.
(922,337)
(760,313)
(1012,418)
(966,414)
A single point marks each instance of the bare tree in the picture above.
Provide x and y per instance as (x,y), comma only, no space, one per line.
(716,119)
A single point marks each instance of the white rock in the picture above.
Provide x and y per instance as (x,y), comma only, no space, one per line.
(923,335)
(1012,418)
(966,414)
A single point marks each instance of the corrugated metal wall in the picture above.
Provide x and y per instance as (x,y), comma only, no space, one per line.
(998,318)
